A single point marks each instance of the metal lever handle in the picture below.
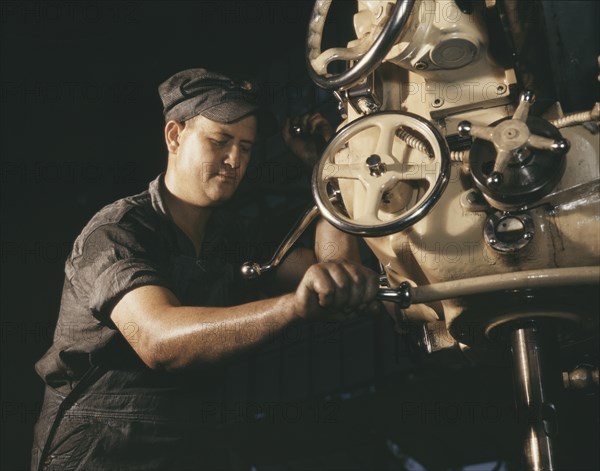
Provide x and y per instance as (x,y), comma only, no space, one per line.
(401,295)
(562,278)
(252,270)
(405,295)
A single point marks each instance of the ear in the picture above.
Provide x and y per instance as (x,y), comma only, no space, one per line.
(173,130)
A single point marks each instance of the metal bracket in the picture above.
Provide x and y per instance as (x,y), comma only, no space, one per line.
(362,97)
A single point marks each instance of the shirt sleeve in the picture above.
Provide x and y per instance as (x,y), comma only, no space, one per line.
(112,260)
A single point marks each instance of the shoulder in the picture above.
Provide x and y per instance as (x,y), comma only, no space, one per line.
(133,215)
(124,210)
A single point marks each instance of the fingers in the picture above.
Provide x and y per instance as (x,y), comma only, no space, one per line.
(351,282)
(305,122)
(317,124)
(338,286)
(313,124)
(365,285)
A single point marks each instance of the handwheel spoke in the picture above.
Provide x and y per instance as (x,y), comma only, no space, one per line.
(482,132)
(522,111)
(385,143)
(502,160)
(355,52)
(409,171)
(370,207)
(540,142)
(347,171)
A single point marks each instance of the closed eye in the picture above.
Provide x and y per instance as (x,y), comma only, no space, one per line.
(218,142)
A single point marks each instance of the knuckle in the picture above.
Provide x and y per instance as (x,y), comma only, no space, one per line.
(358,277)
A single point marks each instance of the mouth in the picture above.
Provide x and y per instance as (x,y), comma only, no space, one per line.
(228,177)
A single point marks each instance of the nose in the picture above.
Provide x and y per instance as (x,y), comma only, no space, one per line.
(234,156)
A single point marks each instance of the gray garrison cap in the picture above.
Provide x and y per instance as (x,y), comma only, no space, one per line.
(195,92)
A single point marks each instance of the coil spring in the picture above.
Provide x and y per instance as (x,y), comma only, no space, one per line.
(578,118)
(414,142)
(459,155)
(418,144)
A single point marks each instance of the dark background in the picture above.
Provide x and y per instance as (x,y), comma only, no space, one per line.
(82,126)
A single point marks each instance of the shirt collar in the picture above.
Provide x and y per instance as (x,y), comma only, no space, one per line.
(156,190)
(216,228)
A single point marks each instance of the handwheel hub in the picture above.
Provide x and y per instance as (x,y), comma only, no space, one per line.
(376,166)
(511,135)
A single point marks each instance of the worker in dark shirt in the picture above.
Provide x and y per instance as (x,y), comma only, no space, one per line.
(152,301)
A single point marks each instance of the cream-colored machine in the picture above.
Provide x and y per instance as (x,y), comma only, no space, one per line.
(485,218)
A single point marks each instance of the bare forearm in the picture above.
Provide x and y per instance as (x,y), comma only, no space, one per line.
(171,337)
(197,336)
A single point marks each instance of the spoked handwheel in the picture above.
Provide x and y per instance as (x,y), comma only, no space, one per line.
(368,53)
(400,184)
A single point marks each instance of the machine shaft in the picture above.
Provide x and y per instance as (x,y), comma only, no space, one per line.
(537,382)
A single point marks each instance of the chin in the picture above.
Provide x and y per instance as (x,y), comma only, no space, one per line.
(221,199)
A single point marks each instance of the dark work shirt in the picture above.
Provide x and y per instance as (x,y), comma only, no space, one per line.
(129,416)
(130,243)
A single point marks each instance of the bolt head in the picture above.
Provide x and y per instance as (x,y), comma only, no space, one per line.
(437,102)
(373,159)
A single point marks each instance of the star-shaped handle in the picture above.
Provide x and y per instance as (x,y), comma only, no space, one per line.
(512,138)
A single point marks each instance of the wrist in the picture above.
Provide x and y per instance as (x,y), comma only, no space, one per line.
(290,308)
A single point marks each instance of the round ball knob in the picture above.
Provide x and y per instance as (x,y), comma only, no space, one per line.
(527,96)
(562,146)
(464,128)
(495,179)
(250,270)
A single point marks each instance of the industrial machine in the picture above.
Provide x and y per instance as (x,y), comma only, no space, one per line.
(481,205)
